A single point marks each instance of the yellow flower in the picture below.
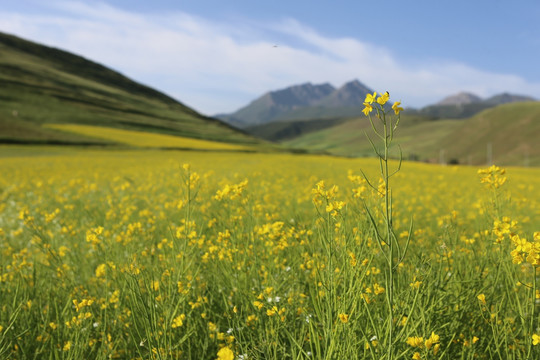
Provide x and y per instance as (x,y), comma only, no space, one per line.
(178,321)
(272,311)
(225,354)
(416,356)
(397,109)
(344,318)
(535,339)
(433,339)
(368,108)
(100,270)
(383,98)
(212,327)
(493,176)
(403,321)
(67,346)
(482,299)
(62,251)
(258,304)
(415,341)
(370,98)
(377,289)
(251,319)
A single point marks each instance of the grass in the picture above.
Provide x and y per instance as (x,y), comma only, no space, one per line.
(132,254)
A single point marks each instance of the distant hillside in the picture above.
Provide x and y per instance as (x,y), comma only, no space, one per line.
(43,85)
(284,130)
(463,105)
(506,98)
(509,131)
(304,101)
(461,98)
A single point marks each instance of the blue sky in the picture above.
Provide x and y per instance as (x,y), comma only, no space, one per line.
(217,56)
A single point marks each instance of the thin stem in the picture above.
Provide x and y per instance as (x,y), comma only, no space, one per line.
(389,241)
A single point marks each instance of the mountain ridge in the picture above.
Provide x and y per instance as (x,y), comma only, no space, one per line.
(278,104)
(347,101)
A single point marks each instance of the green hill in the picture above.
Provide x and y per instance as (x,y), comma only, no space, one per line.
(43,85)
(285,130)
(510,132)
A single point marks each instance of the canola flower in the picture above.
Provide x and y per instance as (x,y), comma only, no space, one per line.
(225,354)
(493,177)
(130,255)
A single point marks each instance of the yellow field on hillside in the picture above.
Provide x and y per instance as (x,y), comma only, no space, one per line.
(144,139)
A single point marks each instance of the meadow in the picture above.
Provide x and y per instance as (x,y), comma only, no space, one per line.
(134,254)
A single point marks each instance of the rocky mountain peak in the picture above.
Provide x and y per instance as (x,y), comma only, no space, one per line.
(350,94)
(301,95)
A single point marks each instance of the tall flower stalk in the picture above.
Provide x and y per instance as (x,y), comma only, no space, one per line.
(384,126)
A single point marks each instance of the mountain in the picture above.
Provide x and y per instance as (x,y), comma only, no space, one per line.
(506,98)
(42,85)
(352,94)
(464,104)
(461,98)
(276,103)
(304,101)
(298,103)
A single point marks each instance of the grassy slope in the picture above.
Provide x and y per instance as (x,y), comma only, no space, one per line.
(512,129)
(349,138)
(284,130)
(42,85)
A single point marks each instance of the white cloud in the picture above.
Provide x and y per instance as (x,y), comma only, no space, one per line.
(218,67)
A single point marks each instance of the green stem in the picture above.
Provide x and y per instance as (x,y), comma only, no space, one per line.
(389,241)
(533,308)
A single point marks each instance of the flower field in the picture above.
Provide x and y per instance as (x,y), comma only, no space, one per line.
(205,255)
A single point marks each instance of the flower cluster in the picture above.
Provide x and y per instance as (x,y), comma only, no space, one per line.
(493,177)
(525,250)
(328,198)
(231,192)
(381,100)
(418,342)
